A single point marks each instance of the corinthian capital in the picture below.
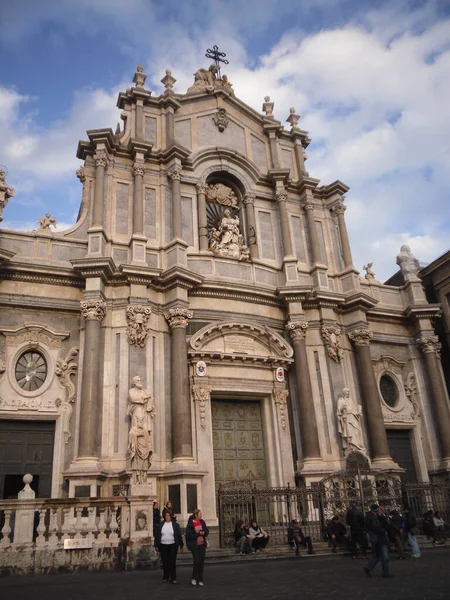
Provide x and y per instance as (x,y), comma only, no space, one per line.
(429,344)
(93,310)
(101,158)
(281,195)
(249,198)
(307,204)
(361,337)
(175,173)
(297,330)
(201,187)
(339,208)
(138,169)
(178,317)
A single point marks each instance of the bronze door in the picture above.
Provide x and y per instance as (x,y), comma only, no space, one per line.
(238,442)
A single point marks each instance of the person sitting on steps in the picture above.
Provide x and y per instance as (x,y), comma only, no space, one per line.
(337,533)
(258,536)
(296,537)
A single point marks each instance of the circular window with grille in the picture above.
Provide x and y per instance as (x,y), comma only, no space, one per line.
(389,390)
(31,370)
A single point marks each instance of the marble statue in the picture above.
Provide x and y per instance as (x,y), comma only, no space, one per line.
(6,192)
(370,274)
(45,222)
(141,410)
(408,263)
(349,422)
(227,240)
(207,80)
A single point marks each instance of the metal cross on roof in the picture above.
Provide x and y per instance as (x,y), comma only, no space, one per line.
(217,57)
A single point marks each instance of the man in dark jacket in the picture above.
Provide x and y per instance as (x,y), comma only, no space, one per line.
(398,532)
(337,533)
(355,520)
(379,540)
(296,537)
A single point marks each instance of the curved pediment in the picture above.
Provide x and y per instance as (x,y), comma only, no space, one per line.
(231,338)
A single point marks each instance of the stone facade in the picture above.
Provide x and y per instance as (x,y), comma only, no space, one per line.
(245,347)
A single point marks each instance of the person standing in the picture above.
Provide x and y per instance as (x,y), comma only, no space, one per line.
(355,520)
(411,531)
(156,517)
(379,540)
(168,508)
(167,541)
(398,532)
(196,541)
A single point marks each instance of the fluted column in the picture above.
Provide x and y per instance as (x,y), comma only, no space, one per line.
(181,406)
(202,220)
(101,161)
(308,423)
(175,176)
(313,237)
(249,202)
(138,198)
(430,347)
(339,210)
(90,428)
(371,400)
(281,198)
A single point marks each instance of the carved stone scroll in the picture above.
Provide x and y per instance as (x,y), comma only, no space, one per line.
(412,393)
(280,398)
(361,337)
(137,325)
(65,369)
(202,395)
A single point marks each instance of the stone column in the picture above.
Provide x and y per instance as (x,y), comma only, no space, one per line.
(249,202)
(299,152)
(371,400)
(430,347)
(308,423)
(170,125)
(313,237)
(90,432)
(281,198)
(175,176)
(181,405)
(339,210)
(138,198)
(202,221)
(101,160)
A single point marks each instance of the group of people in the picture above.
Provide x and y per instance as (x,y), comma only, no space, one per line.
(250,539)
(168,540)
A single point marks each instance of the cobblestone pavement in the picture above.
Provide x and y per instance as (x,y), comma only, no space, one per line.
(330,578)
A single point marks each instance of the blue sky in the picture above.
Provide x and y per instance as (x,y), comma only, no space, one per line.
(371,80)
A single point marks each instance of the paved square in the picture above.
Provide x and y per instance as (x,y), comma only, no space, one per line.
(331,578)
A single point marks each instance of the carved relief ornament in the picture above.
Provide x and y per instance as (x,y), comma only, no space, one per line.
(202,395)
(280,398)
(331,337)
(138,170)
(339,208)
(222,194)
(297,330)
(93,310)
(65,369)
(411,392)
(429,344)
(175,173)
(220,119)
(137,325)
(101,159)
(178,317)
(361,337)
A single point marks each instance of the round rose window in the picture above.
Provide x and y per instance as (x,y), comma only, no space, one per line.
(389,390)
(31,370)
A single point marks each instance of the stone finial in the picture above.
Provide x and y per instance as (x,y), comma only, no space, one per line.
(27,493)
(267,107)
(139,77)
(168,81)
(45,222)
(293,119)
(6,192)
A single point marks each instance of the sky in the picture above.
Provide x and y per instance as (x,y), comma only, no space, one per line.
(370,79)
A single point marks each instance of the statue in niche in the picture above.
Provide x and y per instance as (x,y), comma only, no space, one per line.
(408,263)
(227,240)
(349,422)
(141,411)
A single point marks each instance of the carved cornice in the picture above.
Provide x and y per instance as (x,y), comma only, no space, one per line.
(178,317)
(361,337)
(93,310)
(297,330)
(34,334)
(331,337)
(429,344)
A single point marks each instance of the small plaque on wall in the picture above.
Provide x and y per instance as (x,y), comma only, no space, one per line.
(200,368)
(77,544)
(280,374)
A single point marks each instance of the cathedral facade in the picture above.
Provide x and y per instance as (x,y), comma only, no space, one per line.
(203,321)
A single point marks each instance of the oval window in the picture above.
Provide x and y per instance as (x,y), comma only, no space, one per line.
(389,390)
(31,370)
